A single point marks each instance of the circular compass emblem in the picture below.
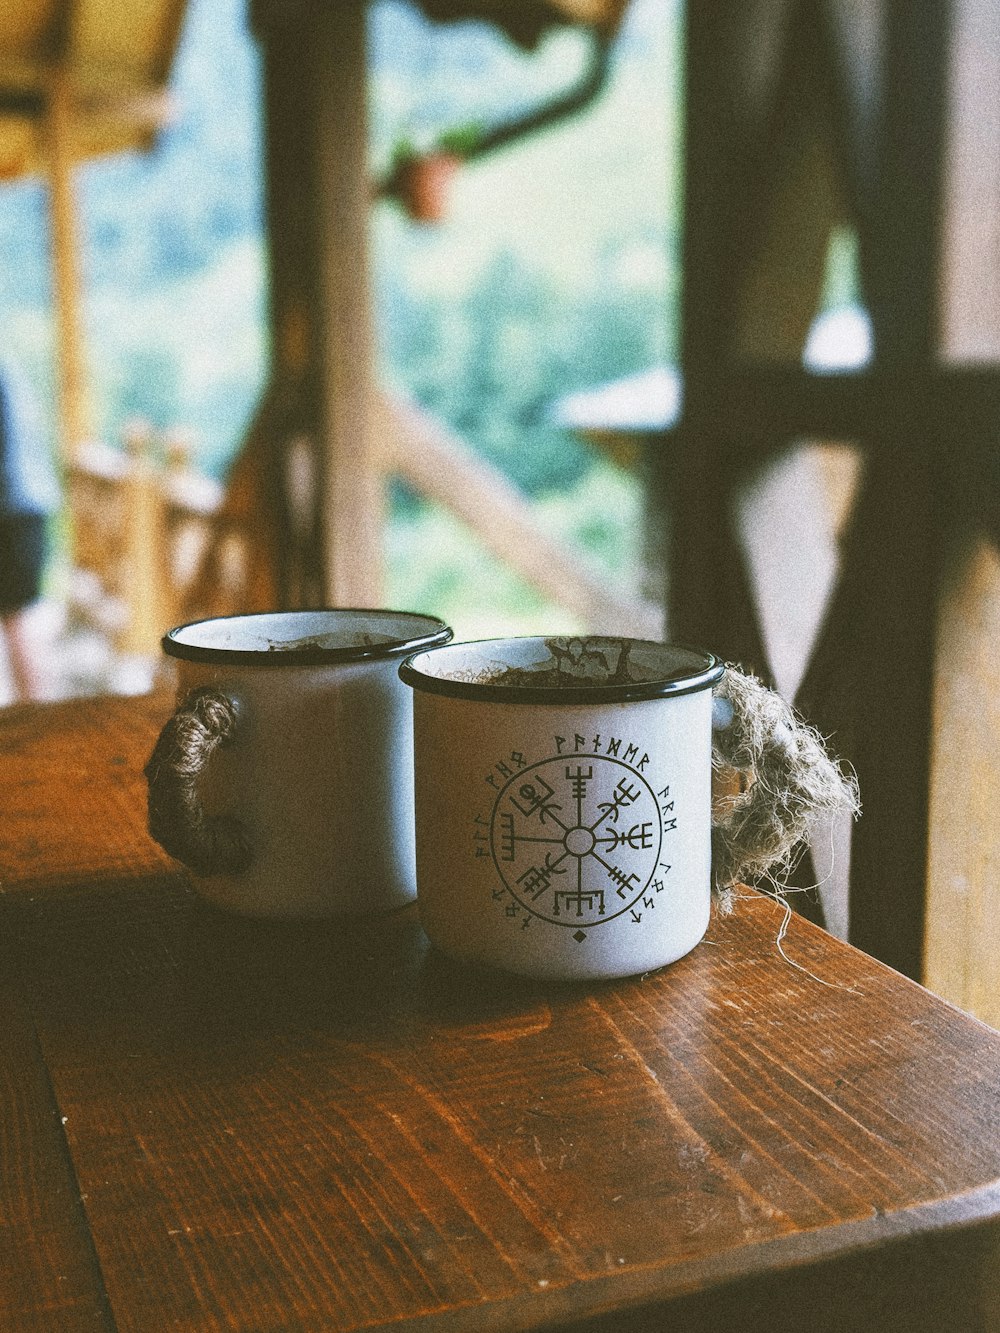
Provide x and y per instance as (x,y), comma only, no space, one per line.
(576,839)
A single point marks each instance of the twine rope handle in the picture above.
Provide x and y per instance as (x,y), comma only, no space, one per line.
(772,775)
(207,844)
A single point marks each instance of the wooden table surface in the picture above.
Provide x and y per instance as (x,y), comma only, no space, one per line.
(209,1123)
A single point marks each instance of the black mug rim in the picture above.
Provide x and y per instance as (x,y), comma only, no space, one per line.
(672,686)
(312,655)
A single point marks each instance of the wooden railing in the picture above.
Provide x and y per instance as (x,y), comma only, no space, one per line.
(441,467)
(142,520)
(156,543)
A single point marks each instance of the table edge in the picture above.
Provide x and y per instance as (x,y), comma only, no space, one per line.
(630,1294)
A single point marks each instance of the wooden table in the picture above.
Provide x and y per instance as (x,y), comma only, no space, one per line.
(214,1124)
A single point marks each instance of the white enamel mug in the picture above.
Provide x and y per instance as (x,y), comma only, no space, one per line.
(284,780)
(563,802)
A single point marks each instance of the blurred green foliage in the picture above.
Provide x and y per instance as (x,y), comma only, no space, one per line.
(555,271)
(436,564)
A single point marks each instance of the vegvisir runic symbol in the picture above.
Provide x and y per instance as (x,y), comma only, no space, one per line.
(577,841)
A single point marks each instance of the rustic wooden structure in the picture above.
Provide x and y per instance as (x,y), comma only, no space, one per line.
(798,115)
(220,550)
(157,543)
(79,78)
(143,522)
(221,1124)
(296,526)
(321,479)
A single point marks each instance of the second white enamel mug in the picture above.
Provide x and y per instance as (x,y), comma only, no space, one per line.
(563,802)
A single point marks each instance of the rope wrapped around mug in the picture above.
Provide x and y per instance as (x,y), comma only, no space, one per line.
(771,777)
(209,845)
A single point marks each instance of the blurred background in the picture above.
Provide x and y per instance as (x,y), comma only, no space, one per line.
(548,274)
(533,318)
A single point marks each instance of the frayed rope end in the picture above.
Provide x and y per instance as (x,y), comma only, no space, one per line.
(771,777)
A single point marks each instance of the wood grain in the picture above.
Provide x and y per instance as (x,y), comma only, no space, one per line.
(962,947)
(210,1123)
(322,1127)
(962,956)
(72,794)
(49,1278)
(322,481)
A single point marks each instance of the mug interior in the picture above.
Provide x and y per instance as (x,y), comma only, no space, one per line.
(562,669)
(305,637)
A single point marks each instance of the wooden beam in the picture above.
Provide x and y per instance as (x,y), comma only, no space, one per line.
(317,197)
(353,506)
(909,92)
(727,89)
(962,942)
(762,406)
(906,498)
(73,406)
(146,555)
(443,469)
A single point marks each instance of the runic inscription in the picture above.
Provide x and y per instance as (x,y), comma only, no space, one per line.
(576,839)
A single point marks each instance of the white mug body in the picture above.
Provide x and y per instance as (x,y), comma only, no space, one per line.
(318,773)
(564,839)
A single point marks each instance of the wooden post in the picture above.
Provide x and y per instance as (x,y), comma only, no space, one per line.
(962,946)
(143,576)
(892,566)
(752,541)
(329,513)
(904,672)
(73,422)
